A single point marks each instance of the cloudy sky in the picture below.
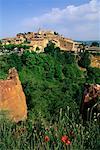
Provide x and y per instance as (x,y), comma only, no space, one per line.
(76,19)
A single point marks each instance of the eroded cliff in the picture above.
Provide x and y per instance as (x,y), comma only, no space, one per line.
(12,97)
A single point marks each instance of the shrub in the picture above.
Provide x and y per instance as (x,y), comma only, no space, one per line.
(85,60)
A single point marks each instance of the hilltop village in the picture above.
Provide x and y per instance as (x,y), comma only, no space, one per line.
(40,39)
(37,41)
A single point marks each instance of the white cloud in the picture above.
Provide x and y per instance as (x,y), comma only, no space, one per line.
(77,22)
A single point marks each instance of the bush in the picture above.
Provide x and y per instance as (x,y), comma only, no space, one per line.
(85,60)
(93,75)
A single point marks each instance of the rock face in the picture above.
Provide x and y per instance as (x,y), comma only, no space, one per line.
(12,97)
(90,103)
(95,61)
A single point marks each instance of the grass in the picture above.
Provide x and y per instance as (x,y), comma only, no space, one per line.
(43,135)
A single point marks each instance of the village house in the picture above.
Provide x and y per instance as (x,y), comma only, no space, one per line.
(41,38)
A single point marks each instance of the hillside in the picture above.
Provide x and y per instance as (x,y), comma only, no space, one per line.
(53,85)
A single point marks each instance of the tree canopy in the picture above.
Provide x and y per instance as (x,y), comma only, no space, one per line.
(51,80)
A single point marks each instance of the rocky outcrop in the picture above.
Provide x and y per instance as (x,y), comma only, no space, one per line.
(95,61)
(90,102)
(12,97)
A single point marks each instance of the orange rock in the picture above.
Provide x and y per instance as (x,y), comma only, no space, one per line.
(95,61)
(12,97)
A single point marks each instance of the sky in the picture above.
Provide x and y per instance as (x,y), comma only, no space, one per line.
(76,19)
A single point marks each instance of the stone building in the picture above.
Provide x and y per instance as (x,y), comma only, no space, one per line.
(40,39)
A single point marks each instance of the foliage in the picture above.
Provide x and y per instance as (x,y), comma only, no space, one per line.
(15,60)
(52,81)
(11,47)
(93,75)
(26,41)
(82,46)
(84,60)
(69,58)
(95,44)
(37,48)
(4,66)
(56,33)
(52,49)
(63,134)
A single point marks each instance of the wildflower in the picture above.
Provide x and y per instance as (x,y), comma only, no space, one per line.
(46,139)
(65,140)
(68,142)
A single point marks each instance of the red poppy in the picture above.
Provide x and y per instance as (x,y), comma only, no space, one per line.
(46,139)
(66,140)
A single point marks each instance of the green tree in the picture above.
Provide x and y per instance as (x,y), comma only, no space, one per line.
(93,75)
(58,71)
(10,47)
(56,33)
(69,58)
(84,60)
(50,48)
(15,61)
(37,49)
(94,44)
(4,66)
(72,72)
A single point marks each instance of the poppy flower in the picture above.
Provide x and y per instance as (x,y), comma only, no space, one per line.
(68,142)
(65,140)
(46,139)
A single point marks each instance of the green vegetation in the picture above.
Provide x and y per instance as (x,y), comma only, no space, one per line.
(64,134)
(95,44)
(11,47)
(84,60)
(53,83)
(37,49)
(93,75)
(56,33)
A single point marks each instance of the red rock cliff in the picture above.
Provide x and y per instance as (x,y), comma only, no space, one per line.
(12,97)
